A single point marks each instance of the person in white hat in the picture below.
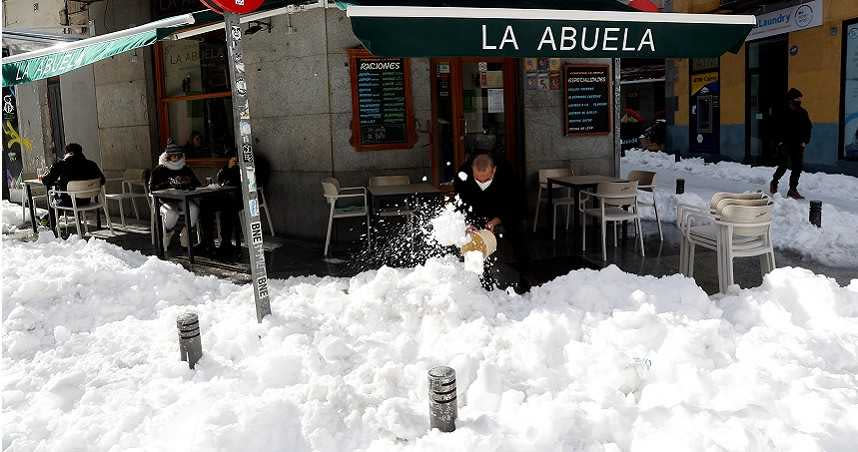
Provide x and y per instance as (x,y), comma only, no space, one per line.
(172,172)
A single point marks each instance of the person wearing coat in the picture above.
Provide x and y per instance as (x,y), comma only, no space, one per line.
(172,172)
(794,135)
(73,167)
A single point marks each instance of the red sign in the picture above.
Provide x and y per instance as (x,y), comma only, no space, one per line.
(233,6)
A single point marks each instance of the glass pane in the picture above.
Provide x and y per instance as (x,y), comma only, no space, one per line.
(444,128)
(209,119)
(195,66)
(483,98)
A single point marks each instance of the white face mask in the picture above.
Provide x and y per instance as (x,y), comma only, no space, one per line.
(484,185)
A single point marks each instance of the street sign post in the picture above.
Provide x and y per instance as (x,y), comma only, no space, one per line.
(244,143)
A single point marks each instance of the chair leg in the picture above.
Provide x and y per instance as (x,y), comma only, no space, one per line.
(614,224)
(604,247)
(121,213)
(682,247)
(689,260)
(640,236)
(554,223)
(328,236)
(538,202)
(568,215)
(107,218)
(657,219)
(136,212)
(583,233)
(77,223)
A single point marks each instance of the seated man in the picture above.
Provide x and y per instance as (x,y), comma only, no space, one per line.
(494,200)
(172,172)
(230,176)
(73,166)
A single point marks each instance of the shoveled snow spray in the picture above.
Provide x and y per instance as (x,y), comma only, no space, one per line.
(443,409)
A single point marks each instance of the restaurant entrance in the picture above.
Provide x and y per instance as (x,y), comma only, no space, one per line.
(473,109)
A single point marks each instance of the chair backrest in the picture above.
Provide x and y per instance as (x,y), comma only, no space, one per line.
(380,181)
(134,175)
(760,216)
(330,187)
(84,189)
(717,197)
(544,174)
(618,188)
(642,177)
(719,206)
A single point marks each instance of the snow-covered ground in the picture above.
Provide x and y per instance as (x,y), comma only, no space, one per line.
(13,216)
(834,244)
(592,361)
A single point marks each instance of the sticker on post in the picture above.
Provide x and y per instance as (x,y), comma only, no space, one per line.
(254,208)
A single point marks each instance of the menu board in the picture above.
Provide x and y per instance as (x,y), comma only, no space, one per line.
(587,100)
(381,103)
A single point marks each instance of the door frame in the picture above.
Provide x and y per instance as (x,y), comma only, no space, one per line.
(511,101)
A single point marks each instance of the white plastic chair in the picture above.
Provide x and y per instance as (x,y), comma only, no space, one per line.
(130,178)
(263,207)
(80,190)
(616,202)
(391,211)
(333,192)
(566,201)
(646,182)
(734,227)
(38,192)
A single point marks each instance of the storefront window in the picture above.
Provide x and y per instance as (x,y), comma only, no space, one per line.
(849,124)
(195,100)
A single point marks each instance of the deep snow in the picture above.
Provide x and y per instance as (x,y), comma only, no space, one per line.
(833,244)
(594,360)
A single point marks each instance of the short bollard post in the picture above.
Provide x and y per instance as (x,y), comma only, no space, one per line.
(816,213)
(680,186)
(443,408)
(190,347)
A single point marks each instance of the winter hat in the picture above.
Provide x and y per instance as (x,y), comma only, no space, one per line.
(793,94)
(173,148)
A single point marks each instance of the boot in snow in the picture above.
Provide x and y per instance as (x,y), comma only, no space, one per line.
(794,194)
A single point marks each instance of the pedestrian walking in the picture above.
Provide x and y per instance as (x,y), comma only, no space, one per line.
(794,130)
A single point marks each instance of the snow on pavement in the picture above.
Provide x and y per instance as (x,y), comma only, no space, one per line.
(594,360)
(834,244)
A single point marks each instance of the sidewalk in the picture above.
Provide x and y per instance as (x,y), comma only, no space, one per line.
(833,245)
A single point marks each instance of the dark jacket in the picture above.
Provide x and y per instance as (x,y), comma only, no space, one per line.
(795,127)
(163,177)
(503,198)
(74,167)
(230,177)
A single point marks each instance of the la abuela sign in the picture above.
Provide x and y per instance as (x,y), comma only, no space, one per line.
(586,39)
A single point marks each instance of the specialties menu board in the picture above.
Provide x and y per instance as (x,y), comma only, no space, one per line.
(587,99)
(381,103)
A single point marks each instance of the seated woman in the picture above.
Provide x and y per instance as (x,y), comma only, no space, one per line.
(172,172)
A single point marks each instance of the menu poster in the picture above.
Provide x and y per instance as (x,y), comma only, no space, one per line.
(587,99)
(381,103)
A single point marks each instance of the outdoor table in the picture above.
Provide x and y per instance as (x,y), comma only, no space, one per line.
(576,183)
(184,196)
(28,183)
(388,191)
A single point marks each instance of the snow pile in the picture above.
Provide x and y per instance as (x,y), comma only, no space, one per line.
(835,185)
(12,216)
(449,227)
(833,244)
(595,360)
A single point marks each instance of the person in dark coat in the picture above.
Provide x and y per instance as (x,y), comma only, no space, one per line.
(794,135)
(229,176)
(73,167)
(172,172)
(493,199)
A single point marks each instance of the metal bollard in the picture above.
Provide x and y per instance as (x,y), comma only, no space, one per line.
(443,409)
(816,213)
(190,347)
(680,186)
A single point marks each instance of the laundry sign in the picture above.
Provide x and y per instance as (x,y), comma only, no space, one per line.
(794,18)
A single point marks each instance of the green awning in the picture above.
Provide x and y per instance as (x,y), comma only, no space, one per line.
(66,57)
(613,32)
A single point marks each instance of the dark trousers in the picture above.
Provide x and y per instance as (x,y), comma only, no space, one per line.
(794,161)
(229,217)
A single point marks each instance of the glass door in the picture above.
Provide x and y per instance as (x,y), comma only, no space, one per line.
(765,97)
(473,111)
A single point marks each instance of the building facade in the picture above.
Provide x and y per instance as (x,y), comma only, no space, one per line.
(302,88)
(727,108)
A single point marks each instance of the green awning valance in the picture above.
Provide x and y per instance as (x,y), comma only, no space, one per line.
(425,31)
(66,57)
